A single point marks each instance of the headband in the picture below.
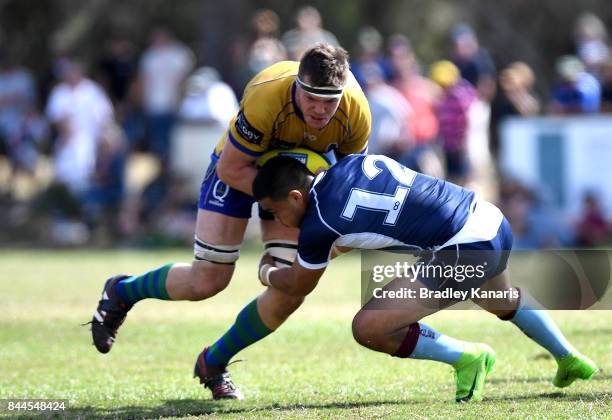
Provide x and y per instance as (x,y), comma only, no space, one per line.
(321,91)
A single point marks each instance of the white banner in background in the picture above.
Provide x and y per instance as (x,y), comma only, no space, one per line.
(560,157)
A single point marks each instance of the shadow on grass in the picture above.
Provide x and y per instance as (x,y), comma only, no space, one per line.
(191,407)
(558,396)
(597,377)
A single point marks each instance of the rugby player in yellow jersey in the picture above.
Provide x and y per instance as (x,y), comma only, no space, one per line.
(316,104)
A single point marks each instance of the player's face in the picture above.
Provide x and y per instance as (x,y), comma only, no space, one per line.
(317,111)
(288,212)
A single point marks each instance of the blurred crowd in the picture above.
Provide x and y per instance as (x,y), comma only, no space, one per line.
(443,119)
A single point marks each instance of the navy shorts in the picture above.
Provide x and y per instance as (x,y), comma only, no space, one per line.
(487,259)
(221,198)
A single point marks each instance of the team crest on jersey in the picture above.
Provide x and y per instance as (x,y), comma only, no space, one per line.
(309,137)
(247,131)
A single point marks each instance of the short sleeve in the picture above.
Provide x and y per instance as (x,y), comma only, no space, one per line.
(252,125)
(315,242)
(361,125)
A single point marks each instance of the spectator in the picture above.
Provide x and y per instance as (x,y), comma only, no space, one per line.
(474,62)
(267,49)
(476,66)
(453,115)
(515,97)
(516,82)
(391,115)
(577,92)
(117,68)
(132,117)
(24,145)
(421,93)
(207,99)
(102,201)
(592,227)
(369,47)
(22,129)
(590,37)
(80,110)
(606,86)
(163,68)
(308,32)
(535,222)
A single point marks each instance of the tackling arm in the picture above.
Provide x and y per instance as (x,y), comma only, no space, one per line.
(295,280)
(236,169)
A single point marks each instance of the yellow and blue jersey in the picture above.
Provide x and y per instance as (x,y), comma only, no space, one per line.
(270,119)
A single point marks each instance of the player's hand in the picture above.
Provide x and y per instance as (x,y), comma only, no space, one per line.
(265,266)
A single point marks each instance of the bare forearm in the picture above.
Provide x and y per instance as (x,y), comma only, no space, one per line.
(238,177)
(284,280)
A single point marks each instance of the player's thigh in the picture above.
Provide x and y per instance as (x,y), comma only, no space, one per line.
(273,229)
(220,229)
(371,323)
(506,298)
(393,307)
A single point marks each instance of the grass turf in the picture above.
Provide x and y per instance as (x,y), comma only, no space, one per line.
(310,368)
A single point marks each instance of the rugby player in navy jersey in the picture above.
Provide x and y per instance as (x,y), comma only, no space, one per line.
(373,202)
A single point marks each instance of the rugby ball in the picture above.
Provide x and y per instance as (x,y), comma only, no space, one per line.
(314,161)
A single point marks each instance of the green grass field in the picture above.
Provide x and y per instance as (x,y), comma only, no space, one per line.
(310,368)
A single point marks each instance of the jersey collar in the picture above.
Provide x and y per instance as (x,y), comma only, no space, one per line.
(317,179)
(297,109)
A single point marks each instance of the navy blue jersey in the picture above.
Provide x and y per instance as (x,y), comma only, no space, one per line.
(373,202)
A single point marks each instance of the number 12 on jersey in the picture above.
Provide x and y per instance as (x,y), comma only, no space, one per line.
(370,200)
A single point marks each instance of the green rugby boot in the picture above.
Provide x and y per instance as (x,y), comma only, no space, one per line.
(573,366)
(471,371)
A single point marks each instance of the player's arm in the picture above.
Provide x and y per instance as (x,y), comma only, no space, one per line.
(315,249)
(245,142)
(295,280)
(236,168)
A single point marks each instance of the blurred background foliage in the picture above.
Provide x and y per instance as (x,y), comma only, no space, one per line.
(535,32)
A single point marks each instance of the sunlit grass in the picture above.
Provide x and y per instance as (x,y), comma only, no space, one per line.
(310,368)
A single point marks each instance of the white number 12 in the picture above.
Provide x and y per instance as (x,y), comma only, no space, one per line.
(390,204)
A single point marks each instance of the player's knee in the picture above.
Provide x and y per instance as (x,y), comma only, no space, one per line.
(364,328)
(500,306)
(504,307)
(207,281)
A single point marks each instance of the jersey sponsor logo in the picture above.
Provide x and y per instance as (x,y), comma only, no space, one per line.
(247,131)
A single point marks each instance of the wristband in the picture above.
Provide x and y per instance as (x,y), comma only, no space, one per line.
(264,273)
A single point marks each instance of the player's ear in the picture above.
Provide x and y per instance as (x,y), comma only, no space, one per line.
(296,196)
